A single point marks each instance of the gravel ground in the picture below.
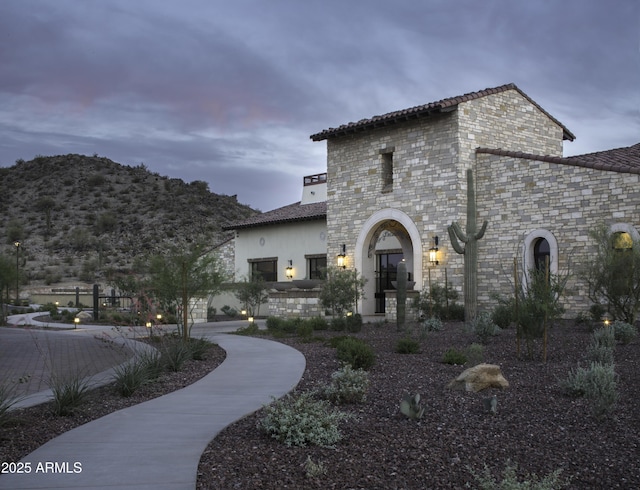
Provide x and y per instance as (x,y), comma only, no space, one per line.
(536,426)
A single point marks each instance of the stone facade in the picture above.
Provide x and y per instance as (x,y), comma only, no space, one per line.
(295,303)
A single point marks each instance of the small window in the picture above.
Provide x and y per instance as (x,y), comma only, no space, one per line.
(541,254)
(317,267)
(266,269)
(387,171)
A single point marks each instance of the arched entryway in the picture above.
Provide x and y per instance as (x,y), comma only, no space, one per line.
(376,261)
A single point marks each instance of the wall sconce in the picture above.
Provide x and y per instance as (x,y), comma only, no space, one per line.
(433,252)
(289,270)
(342,257)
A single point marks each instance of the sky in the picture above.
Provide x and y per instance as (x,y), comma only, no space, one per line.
(228,92)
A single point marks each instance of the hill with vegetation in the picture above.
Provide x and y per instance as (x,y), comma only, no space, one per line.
(79,217)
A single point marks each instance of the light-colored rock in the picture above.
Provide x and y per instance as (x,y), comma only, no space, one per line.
(479,378)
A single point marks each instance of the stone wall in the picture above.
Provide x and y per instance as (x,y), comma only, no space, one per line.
(430,158)
(391,306)
(295,303)
(520,196)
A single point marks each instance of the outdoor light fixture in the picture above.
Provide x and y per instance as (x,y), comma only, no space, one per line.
(148,324)
(250,319)
(76,320)
(289,270)
(606,319)
(342,257)
(433,252)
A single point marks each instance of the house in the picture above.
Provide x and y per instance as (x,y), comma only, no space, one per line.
(395,182)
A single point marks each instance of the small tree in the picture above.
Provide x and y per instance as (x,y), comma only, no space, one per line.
(181,276)
(613,275)
(341,290)
(251,294)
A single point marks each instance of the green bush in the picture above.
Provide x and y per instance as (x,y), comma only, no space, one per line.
(510,480)
(431,324)
(356,352)
(483,327)
(175,353)
(199,348)
(454,356)
(318,323)
(129,377)
(302,420)
(305,331)
(604,336)
(407,346)
(354,323)
(475,353)
(338,324)
(575,382)
(251,329)
(347,385)
(623,332)
(601,389)
(274,323)
(68,394)
(596,352)
(502,315)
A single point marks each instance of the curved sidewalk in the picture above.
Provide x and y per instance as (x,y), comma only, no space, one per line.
(157,444)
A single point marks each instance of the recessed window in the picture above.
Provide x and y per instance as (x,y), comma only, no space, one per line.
(386,157)
(541,254)
(317,266)
(266,269)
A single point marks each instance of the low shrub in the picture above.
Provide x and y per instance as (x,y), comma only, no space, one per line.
(199,348)
(356,352)
(250,330)
(623,332)
(68,394)
(596,383)
(7,400)
(318,323)
(354,323)
(475,353)
(430,324)
(129,377)
(338,324)
(604,336)
(175,353)
(305,332)
(302,420)
(599,353)
(483,327)
(407,346)
(454,356)
(347,385)
(502,315)
(510,480)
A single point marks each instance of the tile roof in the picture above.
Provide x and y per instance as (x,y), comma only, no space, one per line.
(287,214)
(444,105)
(622,160)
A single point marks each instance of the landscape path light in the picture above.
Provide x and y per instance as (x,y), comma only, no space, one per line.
(17,245)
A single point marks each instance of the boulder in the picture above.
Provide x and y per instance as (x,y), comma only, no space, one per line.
(479,378)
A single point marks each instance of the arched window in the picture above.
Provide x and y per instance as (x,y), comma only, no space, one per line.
(541,254)
(540,247)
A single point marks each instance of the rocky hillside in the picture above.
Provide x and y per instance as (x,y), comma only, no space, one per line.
(78,216)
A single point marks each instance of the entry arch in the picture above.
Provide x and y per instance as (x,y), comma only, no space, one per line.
(364,263)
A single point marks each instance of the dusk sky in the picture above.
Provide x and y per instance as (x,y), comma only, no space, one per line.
(229,92)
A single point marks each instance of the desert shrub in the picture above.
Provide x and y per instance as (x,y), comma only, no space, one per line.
(624,332)
(510,480)
(347,385)
(318,323)
(483,327)
(475,353)
(599,353)
(7,400)
(68,393)
(305,331)
(302,420)
(313,469)
(175,353)
(601,389)
(230,312)
(354,323)
(454,356)
(152,361)
(274,323)
(575,382)
(356,352)
(597,311)
(407,346)
(129,377)
(338,324)
(502,315)
(199,348)
(430,324)
(604,336)
(251,329)
(440,302)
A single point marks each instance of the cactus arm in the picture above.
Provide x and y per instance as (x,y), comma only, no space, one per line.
(454,240)
(480,234)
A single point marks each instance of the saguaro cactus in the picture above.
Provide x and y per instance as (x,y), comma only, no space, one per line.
(469,250)
(401,295)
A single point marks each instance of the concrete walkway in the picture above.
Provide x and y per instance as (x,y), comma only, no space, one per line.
(158,444)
